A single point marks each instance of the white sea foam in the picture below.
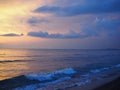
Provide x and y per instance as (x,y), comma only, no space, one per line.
(83,82)
(39,85)
(117,65)
(99,70)
(86,75)
(87,78)
(50,76)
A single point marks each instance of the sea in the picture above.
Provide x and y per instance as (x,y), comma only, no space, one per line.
(56,68)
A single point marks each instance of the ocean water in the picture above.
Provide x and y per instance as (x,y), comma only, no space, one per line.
(55,65)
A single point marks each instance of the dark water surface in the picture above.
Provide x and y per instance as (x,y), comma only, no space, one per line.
(16,62)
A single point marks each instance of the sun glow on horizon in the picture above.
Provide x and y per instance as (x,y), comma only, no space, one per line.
(13,18)
(51,21)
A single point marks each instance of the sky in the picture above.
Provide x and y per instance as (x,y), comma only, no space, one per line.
(60,24)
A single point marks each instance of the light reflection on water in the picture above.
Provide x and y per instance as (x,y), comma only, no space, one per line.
(14,62)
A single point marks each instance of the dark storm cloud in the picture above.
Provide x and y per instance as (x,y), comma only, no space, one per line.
(35,21)
(88,7)
(108,27)
(11,35)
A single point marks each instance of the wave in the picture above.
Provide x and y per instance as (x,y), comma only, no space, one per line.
(9,61)
(4,55)
(52,75)
(65,75)
(92,75)
(33,81)
(35,86)
(48,78)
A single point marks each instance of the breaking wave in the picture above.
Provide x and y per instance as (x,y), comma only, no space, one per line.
(48,78)
(39,81)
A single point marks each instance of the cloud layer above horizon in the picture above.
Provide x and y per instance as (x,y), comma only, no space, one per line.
(11,35)
(107,27)
(88,7)
(79,23)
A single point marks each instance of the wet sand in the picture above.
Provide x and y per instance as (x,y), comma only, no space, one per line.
(105,84)
(113,85)
(109,83)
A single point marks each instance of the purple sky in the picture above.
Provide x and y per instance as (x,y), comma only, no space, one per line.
(74,24)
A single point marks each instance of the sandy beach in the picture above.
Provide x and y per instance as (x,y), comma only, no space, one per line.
(106,84)
(113,85)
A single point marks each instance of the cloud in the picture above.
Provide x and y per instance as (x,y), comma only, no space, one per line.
(11,35)
(88,7)
(106,26)
(70,35)
(36,20)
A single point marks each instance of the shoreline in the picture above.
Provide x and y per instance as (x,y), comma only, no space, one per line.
(113,85)
(9,84)
(106,84)
(98,79)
